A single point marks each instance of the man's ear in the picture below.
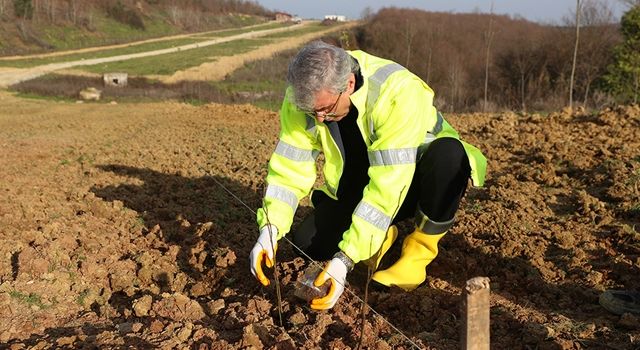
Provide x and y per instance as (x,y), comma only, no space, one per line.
(351,83)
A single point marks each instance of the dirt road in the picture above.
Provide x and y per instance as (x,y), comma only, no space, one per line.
(115,232)
(213,71)
(10,76)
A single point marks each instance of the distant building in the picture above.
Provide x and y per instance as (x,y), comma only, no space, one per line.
(337,18)
(283,17)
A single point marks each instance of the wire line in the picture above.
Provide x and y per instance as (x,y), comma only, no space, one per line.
(317,263)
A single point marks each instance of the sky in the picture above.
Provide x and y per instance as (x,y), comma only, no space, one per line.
(542,11)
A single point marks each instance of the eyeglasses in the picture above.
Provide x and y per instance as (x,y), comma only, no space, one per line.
(328,114)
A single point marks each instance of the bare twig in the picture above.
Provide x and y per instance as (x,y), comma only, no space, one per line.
(371,270)
(275,265)
(365,303)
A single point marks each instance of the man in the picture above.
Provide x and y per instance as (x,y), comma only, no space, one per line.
(389,155)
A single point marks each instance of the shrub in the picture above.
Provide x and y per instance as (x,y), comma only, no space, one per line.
(126,15)
(23,8)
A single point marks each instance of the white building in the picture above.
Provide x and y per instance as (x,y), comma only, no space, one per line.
(338,18)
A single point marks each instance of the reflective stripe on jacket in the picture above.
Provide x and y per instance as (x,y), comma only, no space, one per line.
(397,120)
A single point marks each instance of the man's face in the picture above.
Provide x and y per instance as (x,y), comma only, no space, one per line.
(330,106)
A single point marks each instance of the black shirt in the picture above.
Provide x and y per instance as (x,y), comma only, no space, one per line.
(354,176)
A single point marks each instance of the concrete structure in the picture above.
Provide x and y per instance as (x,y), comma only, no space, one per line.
(115,79)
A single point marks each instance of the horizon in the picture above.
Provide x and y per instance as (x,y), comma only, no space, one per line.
(542,11)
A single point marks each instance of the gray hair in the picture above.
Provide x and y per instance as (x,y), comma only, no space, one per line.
(318,66)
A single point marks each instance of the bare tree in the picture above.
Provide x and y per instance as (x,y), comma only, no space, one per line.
(367,13)
(488,38)
(429,56)
(3,6)
(174,13)
(50,9)
(36,10)
(598,36)
(455,82)
(575,53)
(631,3)
(72,11)
(409,34)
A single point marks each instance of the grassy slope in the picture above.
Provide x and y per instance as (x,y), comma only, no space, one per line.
(170,63)
(151,46)
(105,31)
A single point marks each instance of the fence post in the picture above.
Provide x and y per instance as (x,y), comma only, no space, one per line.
(475,310)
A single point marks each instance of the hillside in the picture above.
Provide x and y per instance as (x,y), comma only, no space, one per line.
(30,26)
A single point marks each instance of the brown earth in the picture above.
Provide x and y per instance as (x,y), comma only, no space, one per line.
(115,232)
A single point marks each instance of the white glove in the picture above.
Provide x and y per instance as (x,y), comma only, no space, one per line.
(336,272)
(264,250)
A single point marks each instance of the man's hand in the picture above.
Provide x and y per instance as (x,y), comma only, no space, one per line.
(336,272)
(264,250)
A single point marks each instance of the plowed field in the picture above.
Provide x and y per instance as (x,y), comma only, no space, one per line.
(116,231)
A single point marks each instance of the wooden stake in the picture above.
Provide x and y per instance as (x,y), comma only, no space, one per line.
(475,310)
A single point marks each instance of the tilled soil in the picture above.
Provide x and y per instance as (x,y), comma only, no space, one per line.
(118,230)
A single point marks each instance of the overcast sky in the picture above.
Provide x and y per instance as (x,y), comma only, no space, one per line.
(545,11)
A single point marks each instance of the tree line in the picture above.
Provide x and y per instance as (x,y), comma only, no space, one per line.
(489,62)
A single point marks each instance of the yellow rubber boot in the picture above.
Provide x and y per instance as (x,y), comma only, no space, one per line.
(418,250)
(392,234)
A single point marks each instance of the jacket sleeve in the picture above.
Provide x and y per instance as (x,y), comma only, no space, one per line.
(402,115)
(292,169)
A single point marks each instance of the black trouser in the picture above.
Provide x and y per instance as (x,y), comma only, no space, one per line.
(438,185)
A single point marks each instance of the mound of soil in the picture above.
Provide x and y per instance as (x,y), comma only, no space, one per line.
(118,229)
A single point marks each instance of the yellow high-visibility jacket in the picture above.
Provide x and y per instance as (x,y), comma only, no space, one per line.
(397,120)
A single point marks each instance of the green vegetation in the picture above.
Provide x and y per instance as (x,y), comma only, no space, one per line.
(167,64)
(623,77)
(111,32)
(230,32)
(261,82)
(139,223)
(311,28)
(152,46)
(82,297)
(30,26)
(30,299)
(23,8)
(170,63)
(46,97)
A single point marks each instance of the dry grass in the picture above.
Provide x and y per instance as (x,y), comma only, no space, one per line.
(138,89)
